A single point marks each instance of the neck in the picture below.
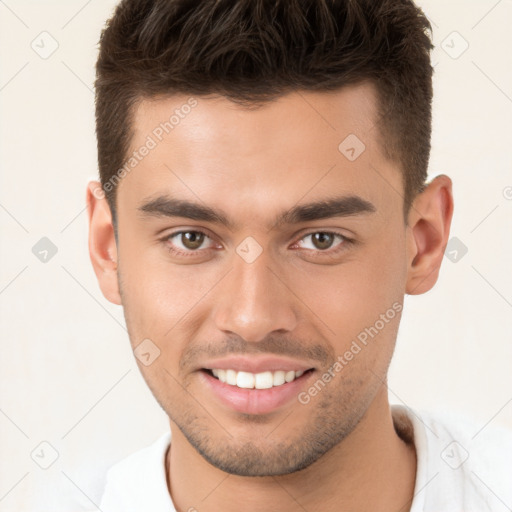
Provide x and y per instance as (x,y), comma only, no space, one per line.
(371,469)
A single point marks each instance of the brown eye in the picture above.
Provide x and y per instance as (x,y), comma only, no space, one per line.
(188,242)
(192,239)
(322,240)
(324,244)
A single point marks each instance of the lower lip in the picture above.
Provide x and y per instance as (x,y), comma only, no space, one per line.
(255,401)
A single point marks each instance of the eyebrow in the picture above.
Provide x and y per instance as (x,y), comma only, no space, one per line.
(165,206)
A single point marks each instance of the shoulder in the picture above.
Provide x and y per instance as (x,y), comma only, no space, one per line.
(461,463)
(479,445)
(130,481)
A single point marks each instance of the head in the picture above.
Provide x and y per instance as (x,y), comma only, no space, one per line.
(263,198)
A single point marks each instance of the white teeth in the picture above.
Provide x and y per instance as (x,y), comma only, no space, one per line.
(245,380)
(231,377)
(278,378)
(263,380)
(289,376)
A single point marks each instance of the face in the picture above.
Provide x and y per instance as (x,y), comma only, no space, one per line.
(250,242)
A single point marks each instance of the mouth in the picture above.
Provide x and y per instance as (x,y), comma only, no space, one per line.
(263,380)
(254,393)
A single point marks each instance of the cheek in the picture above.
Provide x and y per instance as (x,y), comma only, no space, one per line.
(353,300)
(162,301)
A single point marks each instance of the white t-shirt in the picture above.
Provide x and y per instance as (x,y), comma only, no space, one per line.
(462,467)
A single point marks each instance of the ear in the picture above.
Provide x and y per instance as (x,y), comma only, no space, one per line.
(102,242)
(428,230)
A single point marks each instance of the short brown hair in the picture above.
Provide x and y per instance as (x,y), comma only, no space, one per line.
(253,51)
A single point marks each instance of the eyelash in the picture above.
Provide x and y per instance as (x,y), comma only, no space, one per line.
(328,252)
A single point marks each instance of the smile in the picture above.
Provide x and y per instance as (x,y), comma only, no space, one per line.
(262,380)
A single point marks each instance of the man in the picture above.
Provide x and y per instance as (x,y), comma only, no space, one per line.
(262,211)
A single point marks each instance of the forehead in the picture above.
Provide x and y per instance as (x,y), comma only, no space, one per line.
(302,144)
(276,125)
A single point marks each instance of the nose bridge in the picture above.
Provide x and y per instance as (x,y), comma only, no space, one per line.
(253,300)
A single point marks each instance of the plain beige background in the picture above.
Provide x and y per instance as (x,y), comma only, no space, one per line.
(68,377)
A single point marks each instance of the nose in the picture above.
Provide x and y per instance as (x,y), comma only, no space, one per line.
(254,301)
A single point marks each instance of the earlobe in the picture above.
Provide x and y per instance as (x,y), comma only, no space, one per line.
(427,234)
(102,243)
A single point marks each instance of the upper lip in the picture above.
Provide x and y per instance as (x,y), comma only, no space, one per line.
(256,364)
